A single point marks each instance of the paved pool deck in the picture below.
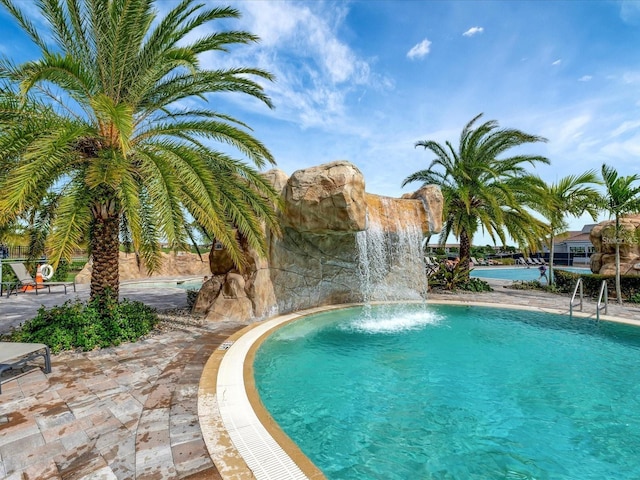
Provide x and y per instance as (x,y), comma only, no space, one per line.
(131,412)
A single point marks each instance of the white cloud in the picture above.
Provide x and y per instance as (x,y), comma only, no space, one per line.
(316,72)
(420,50)
(473,31)
(625,127)
(585,78)
(557,62)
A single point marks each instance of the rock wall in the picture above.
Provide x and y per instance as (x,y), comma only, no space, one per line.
(602,236)
(316,261)
(173,264)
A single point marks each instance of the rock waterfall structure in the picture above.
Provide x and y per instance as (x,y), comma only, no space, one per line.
(339,244)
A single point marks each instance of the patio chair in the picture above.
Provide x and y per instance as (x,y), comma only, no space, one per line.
(26,280)
(431,266)
(15,355)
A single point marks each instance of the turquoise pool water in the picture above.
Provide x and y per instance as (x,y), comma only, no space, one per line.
(518,273)
(452,392)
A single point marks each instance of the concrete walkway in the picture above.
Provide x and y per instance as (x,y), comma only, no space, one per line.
(130,412)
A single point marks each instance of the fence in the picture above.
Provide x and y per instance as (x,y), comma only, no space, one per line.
(21,252)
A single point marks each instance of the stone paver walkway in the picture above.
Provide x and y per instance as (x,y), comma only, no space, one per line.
(130,412)
(126,412)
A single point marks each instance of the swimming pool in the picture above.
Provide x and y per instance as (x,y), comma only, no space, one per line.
(456,392)
(518,273)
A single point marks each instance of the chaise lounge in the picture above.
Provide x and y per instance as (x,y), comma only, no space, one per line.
(15,355)
(26,280)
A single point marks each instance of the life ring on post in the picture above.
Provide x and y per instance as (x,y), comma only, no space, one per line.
(47,271)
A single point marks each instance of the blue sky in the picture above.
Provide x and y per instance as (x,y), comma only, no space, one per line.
(364,80)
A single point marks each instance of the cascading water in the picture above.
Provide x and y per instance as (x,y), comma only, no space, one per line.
(390,265)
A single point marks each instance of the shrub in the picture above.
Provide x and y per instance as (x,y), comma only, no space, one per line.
(97,324)
(60,274)
(192,295)
(566,282)
(476,285)
(456,278)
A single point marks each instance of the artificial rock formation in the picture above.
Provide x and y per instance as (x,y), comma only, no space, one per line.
(173,264)
(326,223)
(602,237)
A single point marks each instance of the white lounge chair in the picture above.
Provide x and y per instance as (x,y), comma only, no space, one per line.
(26,280)
(15,355)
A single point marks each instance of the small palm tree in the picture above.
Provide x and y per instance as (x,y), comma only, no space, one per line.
(482,186)
(115,118)
(573,196)
(621,198)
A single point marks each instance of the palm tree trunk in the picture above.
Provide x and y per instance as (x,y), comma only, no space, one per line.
(465,252)
(618,286)
(551,253)
(617,239)
(105,251)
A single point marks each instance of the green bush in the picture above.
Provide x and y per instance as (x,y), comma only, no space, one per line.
(566,282)
(191,298)
(60,274)
(97,324)
(476,285)
(456,278)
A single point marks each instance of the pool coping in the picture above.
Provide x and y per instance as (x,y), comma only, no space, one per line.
(242,438)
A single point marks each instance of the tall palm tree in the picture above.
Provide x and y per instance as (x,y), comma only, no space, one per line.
(621,198)
(482,186)
(116,117)
(572,195)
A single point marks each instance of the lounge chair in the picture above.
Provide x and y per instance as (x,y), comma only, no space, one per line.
(521,261)
(431,266)
(530,261)
(26,280)
(15,355)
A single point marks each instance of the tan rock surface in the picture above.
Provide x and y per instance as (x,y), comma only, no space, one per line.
(603,237)
(326,199)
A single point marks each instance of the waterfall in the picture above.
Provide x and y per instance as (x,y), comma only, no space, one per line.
(390,263)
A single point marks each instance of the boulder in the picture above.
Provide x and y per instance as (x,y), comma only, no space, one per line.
(328,199)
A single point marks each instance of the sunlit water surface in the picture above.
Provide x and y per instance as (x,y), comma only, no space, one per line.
(451,392)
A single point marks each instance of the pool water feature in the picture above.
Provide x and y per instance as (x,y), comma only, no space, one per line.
(456,392)
(519,273)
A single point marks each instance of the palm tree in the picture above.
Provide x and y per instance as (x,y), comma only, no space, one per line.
(621,198)
(573,196)
(114,117)
(480,189)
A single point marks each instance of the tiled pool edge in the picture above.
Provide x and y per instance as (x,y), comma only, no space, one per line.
(238,418)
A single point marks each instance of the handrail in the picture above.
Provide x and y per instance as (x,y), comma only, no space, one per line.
(604,291)
(573,303)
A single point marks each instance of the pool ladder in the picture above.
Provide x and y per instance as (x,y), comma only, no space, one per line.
(603,298)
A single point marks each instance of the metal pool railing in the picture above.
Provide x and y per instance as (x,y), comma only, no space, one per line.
(572,302)
(603,305)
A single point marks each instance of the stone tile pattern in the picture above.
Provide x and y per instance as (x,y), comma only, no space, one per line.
(119,413)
